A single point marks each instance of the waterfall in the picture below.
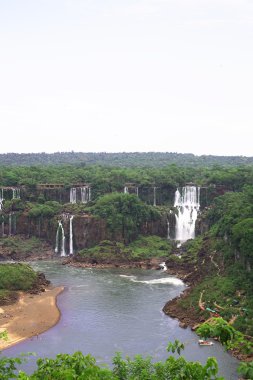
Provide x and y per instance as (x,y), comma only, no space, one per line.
(14,224)
(126,191)
(188,206)
(85,194)
(60,234)
(15,193)
(1,198)
(137,191)
(154,202)
(72,195)
(3,228)
(10,223)
(56,250)
(71,251)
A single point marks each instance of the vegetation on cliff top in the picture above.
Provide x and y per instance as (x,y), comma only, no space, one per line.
(124,214)
(109,179)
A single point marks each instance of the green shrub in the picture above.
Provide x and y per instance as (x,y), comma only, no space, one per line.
(17,277)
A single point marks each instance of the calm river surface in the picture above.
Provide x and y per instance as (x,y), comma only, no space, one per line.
(109,310)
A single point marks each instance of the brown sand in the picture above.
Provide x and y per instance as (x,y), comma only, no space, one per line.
(30,316)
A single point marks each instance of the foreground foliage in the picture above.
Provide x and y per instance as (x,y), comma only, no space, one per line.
(78,366)
(227,335)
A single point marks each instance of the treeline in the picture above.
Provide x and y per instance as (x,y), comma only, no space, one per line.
(109,179)
(133,159)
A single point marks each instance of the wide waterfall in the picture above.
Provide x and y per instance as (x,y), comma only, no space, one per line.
(60,240)
(188,206)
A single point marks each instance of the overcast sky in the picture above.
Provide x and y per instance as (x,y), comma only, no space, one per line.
(126,75)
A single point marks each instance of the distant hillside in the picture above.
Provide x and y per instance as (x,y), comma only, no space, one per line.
(150,159)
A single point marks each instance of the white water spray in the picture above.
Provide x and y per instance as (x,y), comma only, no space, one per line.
(157,281)
(188,206)
(126,191)
(163,266)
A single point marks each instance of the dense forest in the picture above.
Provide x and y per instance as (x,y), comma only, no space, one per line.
(144,159)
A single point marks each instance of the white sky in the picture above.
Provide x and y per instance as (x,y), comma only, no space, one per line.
(126,75)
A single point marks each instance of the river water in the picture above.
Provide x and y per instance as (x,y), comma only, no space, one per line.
(110,310)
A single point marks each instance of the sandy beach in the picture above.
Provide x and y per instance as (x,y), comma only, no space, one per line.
(30,316)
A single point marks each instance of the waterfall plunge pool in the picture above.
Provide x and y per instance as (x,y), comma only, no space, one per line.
(109,310)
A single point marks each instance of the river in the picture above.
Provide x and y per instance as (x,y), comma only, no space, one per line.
(109,310)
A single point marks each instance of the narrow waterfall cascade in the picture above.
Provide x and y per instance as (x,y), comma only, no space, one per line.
(14,224)
(1,198)
(168,229)
(126,191)
(56,250)
(71,251)
(15,193)
(10,224)
(85,194)
(3,228)
(154,200)
(72,195)
(137,191)
(60,240)
(188,206)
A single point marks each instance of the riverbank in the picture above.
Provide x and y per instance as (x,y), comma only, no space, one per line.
(192,315)
(30,316)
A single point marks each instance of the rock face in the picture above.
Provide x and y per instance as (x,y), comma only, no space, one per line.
(88,230)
